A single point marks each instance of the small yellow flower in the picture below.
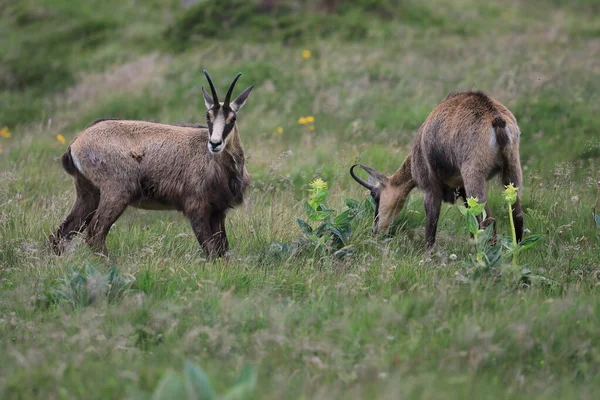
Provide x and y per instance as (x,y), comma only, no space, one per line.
(302,121)
(310,119)
(318,184)
(510,193)
(306,54)
(279,130)
(60,138)
(311,128)
(472,202)
(5,133)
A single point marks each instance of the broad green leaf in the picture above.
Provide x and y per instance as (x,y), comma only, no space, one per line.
(170,387)
(352,204)
(478,209)
(369,205)
(597,219)
(472,223)
(529,242)
(343,219)
(197,385)
(304,227)
(244,386)
(463,210)
(320,215)
(321,229)
(315,199)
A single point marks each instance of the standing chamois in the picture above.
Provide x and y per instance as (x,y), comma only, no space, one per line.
(466,140)
(196,169)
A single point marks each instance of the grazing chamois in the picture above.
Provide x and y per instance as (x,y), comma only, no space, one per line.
(199,170)
(466,140)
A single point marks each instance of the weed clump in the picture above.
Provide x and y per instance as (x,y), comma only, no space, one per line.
(86,286)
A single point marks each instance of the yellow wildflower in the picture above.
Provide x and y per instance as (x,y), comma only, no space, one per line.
(306,54)
(472,202)
(302,121)
(311,128)
(318,184)
(60,138)
(279,130)
(310,119)
(5,133)
(510,193)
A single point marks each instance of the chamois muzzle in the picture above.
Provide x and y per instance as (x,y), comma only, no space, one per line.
(215,147)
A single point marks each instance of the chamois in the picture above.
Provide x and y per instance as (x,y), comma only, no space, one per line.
(466,140)
(196,169)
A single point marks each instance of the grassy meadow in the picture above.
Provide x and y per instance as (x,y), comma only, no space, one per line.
(378,320)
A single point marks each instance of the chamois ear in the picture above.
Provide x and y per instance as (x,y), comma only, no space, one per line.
(241,99)
(208,100)
(375,177)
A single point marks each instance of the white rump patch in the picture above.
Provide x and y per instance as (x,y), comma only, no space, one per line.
(493,141)
(76,161)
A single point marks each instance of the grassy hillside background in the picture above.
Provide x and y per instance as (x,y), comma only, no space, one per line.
(381,321)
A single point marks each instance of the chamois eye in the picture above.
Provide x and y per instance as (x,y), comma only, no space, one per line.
(374,194)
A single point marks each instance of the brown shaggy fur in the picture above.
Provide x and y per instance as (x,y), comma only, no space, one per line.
(465,141)
(152,166)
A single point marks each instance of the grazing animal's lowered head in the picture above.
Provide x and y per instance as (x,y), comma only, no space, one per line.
(198,170)
(221,117)
(388,192)
(466,140)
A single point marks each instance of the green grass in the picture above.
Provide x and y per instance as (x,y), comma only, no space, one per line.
(378,324)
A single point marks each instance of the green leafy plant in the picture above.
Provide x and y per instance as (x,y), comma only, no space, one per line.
(489,252)
(87,285)
(193,384)
(331,231)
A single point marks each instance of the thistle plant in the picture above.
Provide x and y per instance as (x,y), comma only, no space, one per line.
(489,253)
(322,227)
(192,383)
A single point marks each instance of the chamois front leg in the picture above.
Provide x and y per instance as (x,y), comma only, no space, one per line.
(217,227)
(200,221)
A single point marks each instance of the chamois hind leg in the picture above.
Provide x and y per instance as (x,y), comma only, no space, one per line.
(475,187)
(217,227)
(513,175)
(83,210)
(433,204)
(111,206)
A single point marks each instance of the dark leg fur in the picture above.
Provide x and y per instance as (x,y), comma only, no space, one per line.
(433,204)
(217,227)
(82,212)
(475,187)
(112,204)
(201,225)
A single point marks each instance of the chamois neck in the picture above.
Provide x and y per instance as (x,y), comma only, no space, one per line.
(403,176)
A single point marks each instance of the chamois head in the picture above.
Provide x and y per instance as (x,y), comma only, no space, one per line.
(388,192)
(221,117)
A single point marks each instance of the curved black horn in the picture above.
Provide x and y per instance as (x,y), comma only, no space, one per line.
(230,91)
(212,88)
(357,179)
